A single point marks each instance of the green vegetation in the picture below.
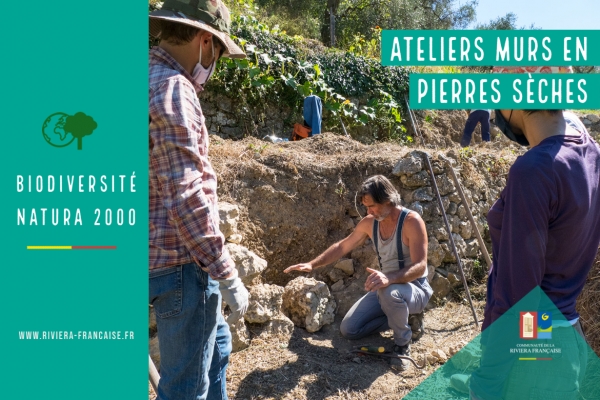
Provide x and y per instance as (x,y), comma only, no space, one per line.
(282,69)
(311,18)
(288,59)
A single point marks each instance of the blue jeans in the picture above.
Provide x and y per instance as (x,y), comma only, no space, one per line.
(479,116)
(193,336)
(387,308)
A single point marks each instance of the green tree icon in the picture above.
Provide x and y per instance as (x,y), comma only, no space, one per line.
(79,125)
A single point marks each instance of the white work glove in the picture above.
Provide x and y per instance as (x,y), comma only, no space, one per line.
(235,295)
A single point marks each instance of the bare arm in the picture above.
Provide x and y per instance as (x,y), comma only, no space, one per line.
(415,235)
(337,250)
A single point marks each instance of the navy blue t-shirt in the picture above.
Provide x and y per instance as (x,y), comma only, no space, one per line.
(545,227)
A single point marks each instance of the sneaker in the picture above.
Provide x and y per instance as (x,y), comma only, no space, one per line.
(416,325)
(400,364)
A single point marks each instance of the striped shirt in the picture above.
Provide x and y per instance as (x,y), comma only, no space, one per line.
(184,220)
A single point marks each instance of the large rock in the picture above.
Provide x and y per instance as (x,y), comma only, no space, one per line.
(308,303)
(461,247)
(409,165)
(336,287)
(438,229)
(264,303)
(417,180)
(248,264)
(441,286)
(465,229)
(452,208)
(422,194)
(467,269)
(455,197)
(435,252)
(228,218)
(280,326)
(346,265)
(438,167)
(454,222)
(445,185)
(462,212)
(593,118)
(240,336)
(445,202)
(454,279)
(336,275)
(431,211)
(472,248)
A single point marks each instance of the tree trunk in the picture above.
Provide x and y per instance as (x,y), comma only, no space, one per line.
(326,29)
(326,25)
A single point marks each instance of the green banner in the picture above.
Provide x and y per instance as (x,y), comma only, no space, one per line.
(75,185)
(530,352)
(490,48)
(504,91)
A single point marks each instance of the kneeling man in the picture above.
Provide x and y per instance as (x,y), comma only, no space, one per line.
(400,288)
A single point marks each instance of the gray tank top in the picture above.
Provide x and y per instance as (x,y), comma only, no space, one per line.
(389,252)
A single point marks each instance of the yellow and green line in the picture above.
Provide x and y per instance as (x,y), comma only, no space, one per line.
(71,247)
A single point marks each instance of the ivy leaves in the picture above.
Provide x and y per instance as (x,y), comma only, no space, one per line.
(275,72)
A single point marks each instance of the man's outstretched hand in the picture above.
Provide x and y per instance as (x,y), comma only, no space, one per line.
(376,280)
(299,267)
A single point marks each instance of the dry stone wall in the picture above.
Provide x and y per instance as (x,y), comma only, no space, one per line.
(229,119)
(296,199)
(418,194)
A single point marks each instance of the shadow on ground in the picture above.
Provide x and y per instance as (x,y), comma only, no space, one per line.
(323,367)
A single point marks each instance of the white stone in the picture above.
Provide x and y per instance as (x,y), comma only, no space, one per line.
(440,355)
(240,336)
(279,326)
(465,229)
(440,285)
(435,252)
(308,303)
(409,165)
(235,238)
(346,265)
(248,264)
(264,303)
(229,215)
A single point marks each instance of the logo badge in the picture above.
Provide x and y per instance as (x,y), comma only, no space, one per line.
(60,129)
(535,325)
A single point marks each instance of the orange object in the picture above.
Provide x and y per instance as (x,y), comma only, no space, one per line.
(300,132)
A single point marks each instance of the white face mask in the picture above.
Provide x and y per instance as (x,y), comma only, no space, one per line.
(200,74)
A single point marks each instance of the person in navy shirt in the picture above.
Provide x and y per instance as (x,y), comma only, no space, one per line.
(545,231)
(545,227)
